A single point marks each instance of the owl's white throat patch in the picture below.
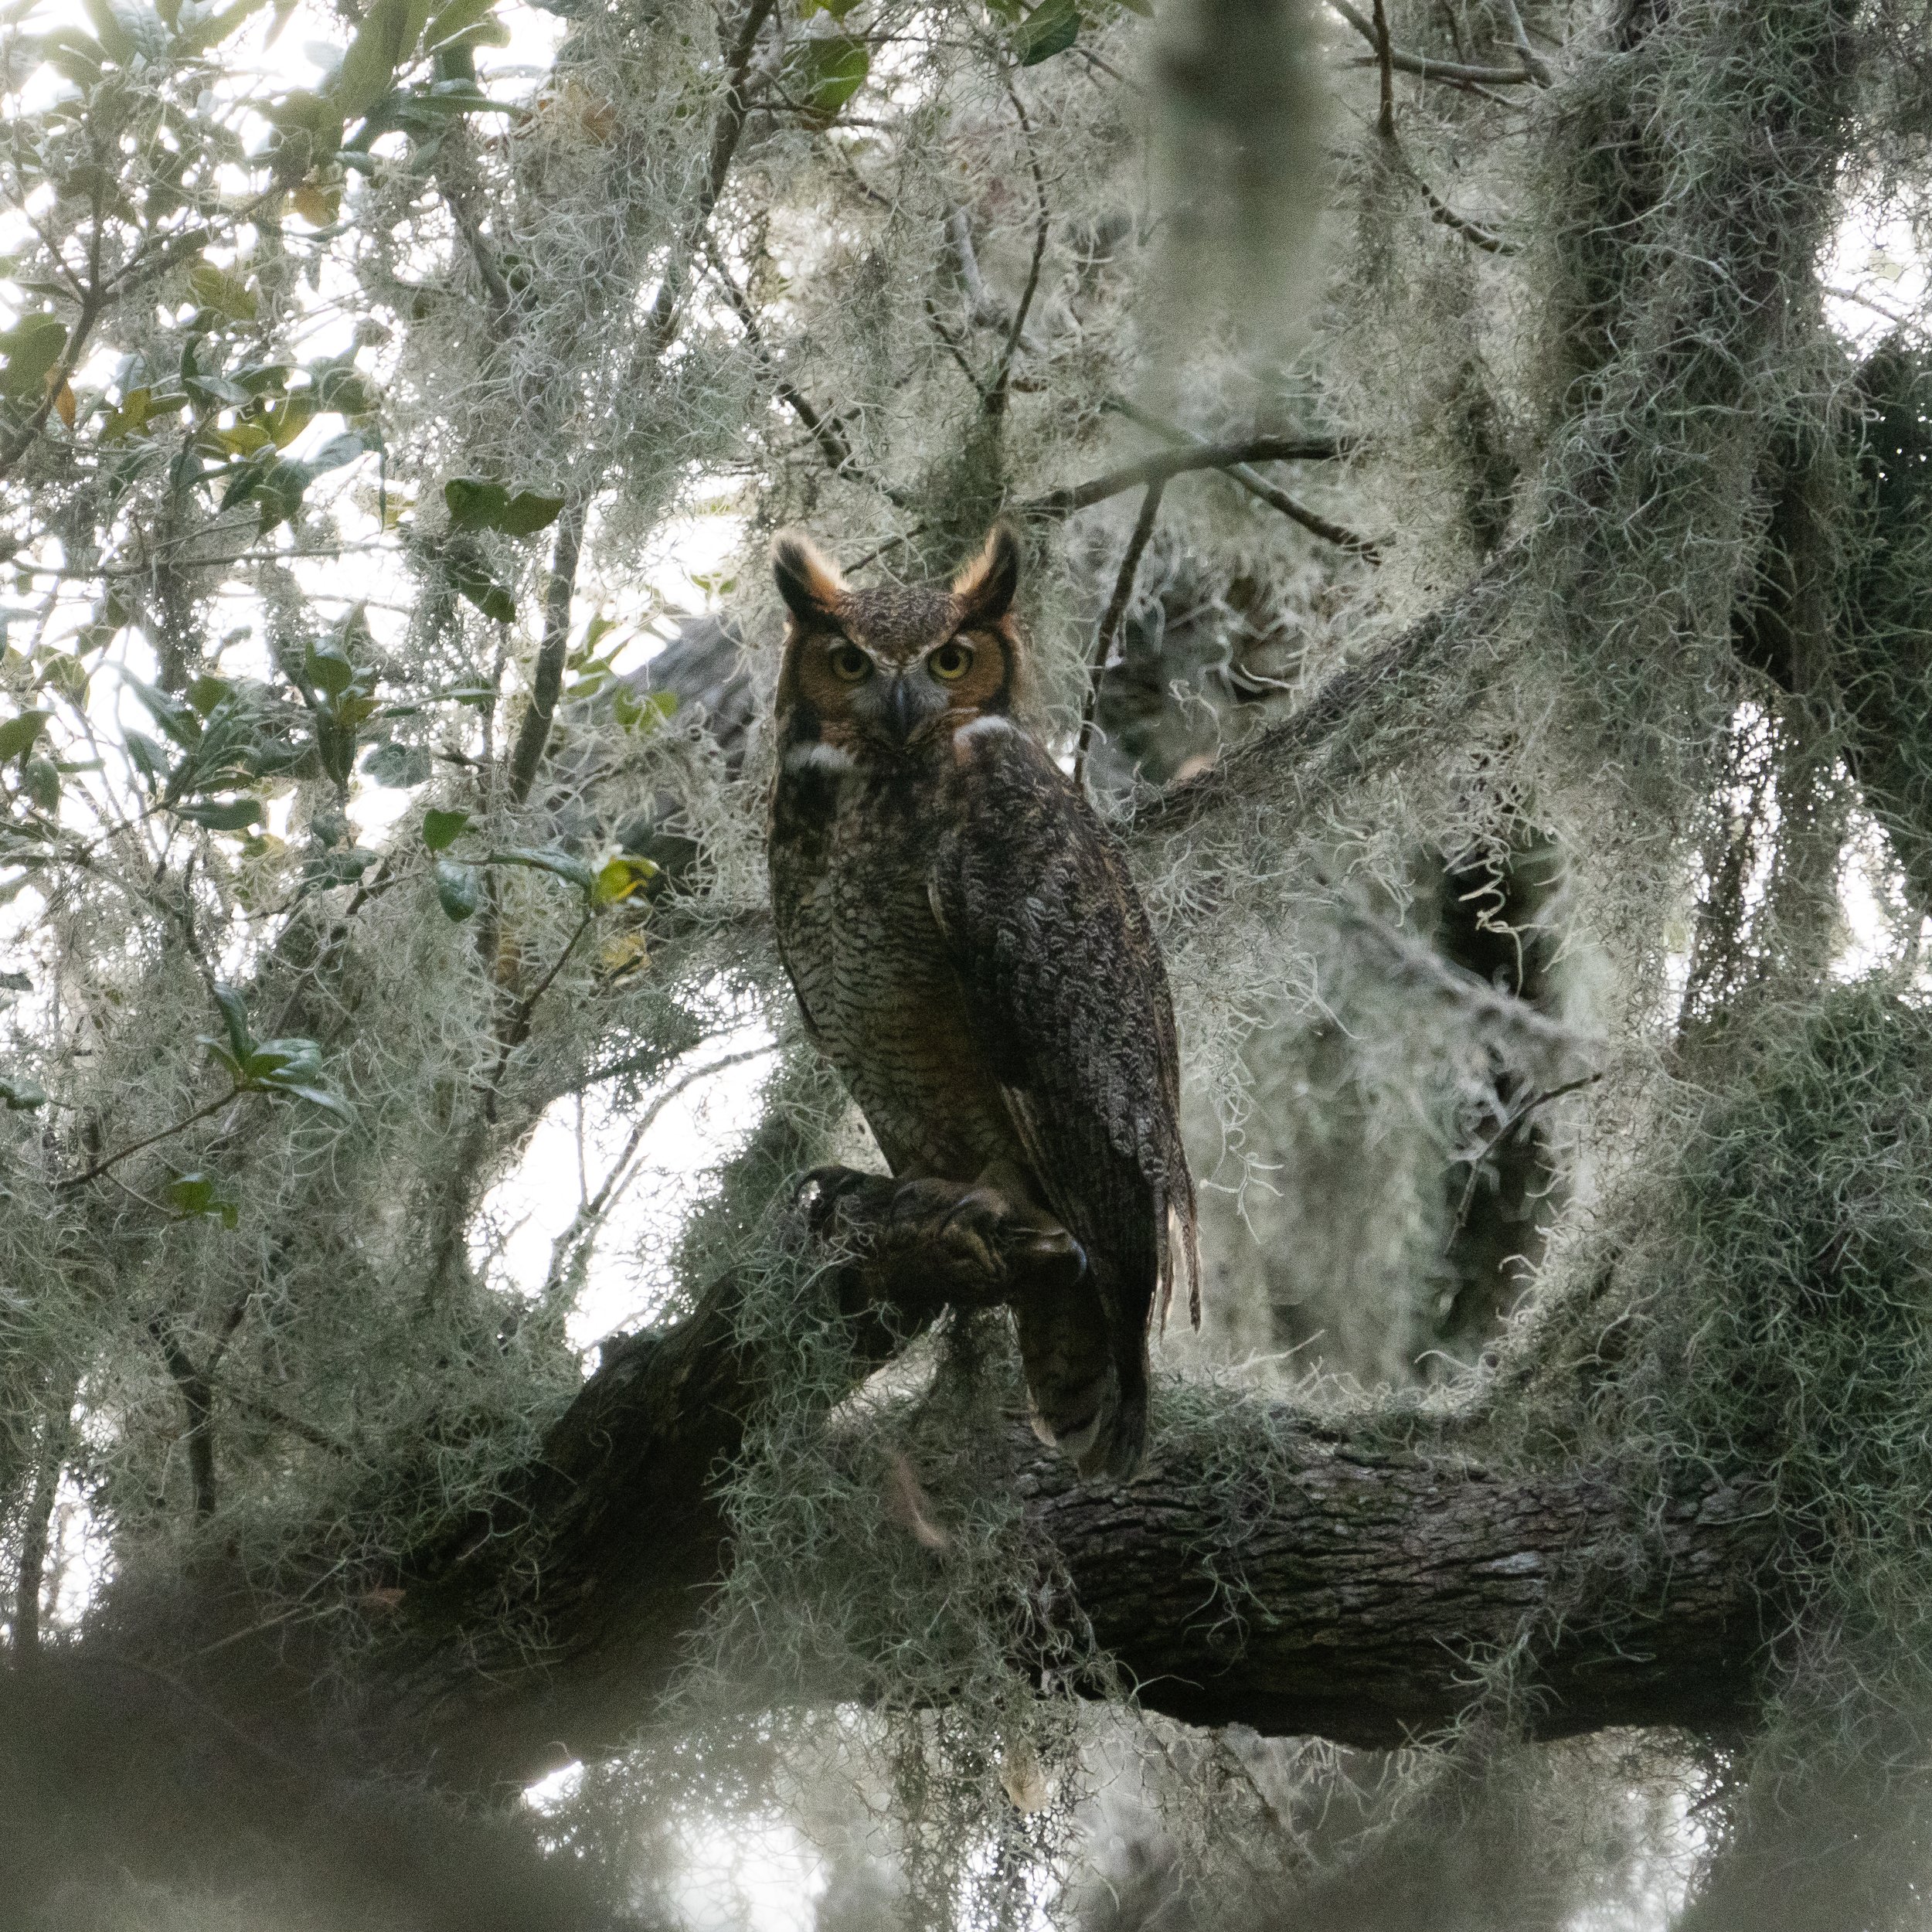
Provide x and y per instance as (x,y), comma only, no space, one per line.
(826,760)
(985,727)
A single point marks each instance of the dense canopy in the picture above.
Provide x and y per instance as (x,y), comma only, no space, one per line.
(1470,457)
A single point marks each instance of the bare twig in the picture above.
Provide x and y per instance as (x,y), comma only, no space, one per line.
(725,133)
(1533,63)
(946,336)
(1168,464)
(1513,1119)
(1455,72)
(1110,618)
(564,1249)
(512,1035)
(1256,485)
(1002,378)
(1473,232)
(826,427)
(114,1159)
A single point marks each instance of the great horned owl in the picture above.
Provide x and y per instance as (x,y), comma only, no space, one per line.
(969,953)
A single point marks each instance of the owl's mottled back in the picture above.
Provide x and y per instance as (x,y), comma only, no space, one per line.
(968,950)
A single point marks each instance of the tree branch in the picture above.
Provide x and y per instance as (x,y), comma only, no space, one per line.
(1426,68)
(1109,624)
(1373,1583)
(547,681)
(1003,375)
(1256,485)
(725,133)
(1351,699)
(1167,464)
(1356,1594)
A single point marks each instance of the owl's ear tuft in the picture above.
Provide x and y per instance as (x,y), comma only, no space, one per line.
(985,586)
(809,580)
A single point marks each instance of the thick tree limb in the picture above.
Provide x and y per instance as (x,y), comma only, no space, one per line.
(1374,1582)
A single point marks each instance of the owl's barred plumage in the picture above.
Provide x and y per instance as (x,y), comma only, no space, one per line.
(969,951)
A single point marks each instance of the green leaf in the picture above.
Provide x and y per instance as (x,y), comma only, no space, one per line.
(74,53)
(337,869)
(385,40)
(115,41)
(560,864)
(642,712)
(226,294)
(341,387)
(221,815)
(475,503)
(458,17)
(594,632)
(482,589)
(28,351)
(399,767)
(217,27)
(459,889)
(150,759)
(19,1094)
(15,983)
(316,1096)
(246,479)
(234,1014)
(193,1193)
(526,513)
(330,667)
(335,452)
(197,1193)
(174,718)
(830,70)
(442,829)
(280,496)
(281,1059)
(66,675)
(1050,29)
(208,690)
(18,734)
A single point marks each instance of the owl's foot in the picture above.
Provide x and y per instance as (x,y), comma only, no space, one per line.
(997,1236)
(919,1242)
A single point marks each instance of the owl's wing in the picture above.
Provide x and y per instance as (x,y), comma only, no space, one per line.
(1068,1002)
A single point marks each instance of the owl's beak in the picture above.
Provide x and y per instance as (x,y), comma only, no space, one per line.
(901,713)
(895,707)
(905,712)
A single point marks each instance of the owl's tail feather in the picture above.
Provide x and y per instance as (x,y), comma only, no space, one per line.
(1092,1409)
(1069,1379)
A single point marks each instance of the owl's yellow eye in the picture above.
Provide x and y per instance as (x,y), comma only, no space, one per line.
(848,663)
(951,661)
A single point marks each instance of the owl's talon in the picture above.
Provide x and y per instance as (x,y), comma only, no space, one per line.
(1055,1244)
(833,1183)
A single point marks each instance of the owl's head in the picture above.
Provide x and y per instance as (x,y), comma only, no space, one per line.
(880,673)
